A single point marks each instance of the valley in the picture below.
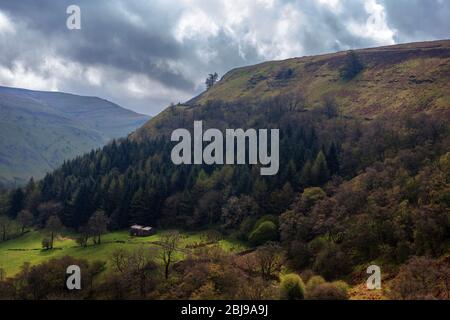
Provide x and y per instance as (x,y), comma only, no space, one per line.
(363,180)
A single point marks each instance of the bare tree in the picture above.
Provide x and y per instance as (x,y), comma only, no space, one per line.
(25,219)
(269,258)
(54,226)
(5,227)
(98,225)
(170,244)
(136,267)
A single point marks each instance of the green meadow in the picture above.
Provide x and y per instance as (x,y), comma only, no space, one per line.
(28,248)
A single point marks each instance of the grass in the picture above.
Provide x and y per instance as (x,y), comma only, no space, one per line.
(28,248)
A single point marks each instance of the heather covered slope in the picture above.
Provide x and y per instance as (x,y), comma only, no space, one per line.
(40,130)
(396,79)
(412,76)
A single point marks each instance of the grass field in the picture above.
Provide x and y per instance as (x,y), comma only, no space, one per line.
(28,248)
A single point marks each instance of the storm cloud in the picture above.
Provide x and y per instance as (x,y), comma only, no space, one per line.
(147,54)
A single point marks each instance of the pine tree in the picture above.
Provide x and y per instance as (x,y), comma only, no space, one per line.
(319,171)
(16,203)
(139,208)
(333,159)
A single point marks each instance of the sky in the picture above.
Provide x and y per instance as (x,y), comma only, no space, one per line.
(146,54)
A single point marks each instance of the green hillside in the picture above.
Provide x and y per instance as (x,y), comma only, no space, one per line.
(364,178)
(28,248)
(411,77)
(40,130)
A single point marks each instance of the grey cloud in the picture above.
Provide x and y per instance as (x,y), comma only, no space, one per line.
(124,39)
(419,20)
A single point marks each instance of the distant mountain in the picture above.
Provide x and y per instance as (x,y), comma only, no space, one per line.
(39,130)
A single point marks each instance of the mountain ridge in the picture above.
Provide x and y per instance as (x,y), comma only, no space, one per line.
(42,129)
(326,66)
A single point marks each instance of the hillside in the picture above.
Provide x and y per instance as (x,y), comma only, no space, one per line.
(42,129)
(396,79)
(28,248)
(416,77)
(364,178)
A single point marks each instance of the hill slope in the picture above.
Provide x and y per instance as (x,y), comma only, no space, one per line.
(416,76)
(40,130)
(357,184)
(402,78)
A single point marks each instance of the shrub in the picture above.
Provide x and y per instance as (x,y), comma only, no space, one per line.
(327,291)
(313,283)
(332,263)
(310,197)
(342,285)
(266,231)
(352,67)
(245,229)
(306,275)
(421,278)
(292,287)
(46,243)
(299,255)
(265,218)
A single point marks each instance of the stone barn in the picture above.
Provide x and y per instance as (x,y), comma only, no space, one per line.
(141,231)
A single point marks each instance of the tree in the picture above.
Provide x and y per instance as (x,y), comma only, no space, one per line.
(136,268)
(25,219)
(331,262)
(46,210)
(266,231)
(352,67)
(211,80)
(333,159)
(46,244)
(53,226)
(84,234)
(16,203)
(237,209)
(208,208)
(5,227)
(169,243)
(292,287)
(140,207)
(319,171)
(98,225)
(421,278)
(269,259)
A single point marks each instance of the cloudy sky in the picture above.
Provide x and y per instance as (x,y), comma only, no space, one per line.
(145,54)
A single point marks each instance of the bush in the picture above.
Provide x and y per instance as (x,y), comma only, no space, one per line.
(292,287)
(46,244)
(266,231)
(310,197)
(245,229)
(328,291)
(352,67)
(332,263)
(421,278)
(265,218)
(299,255)
(343,286)
(313,283)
